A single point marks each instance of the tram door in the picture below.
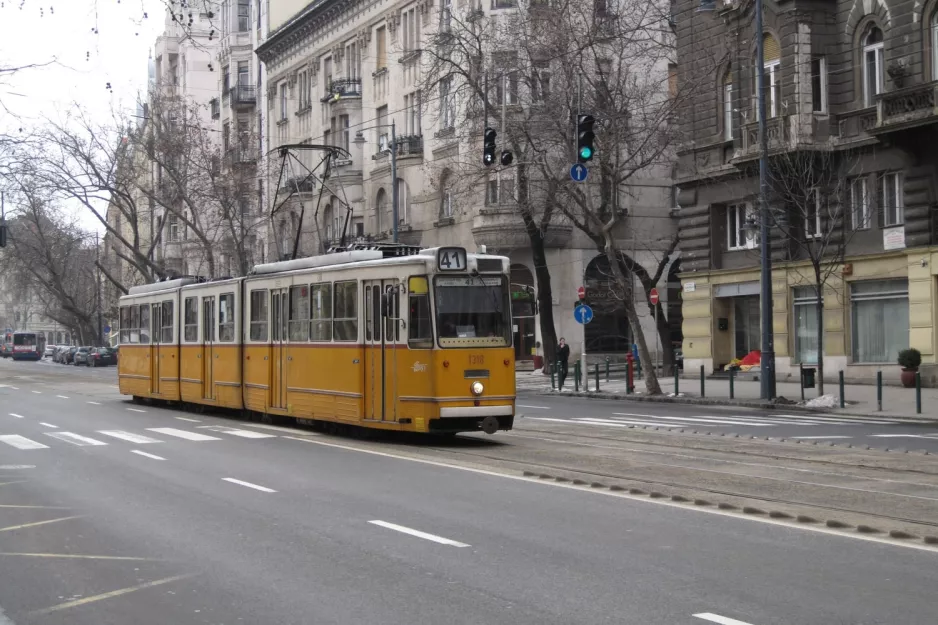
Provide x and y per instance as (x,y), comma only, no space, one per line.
(380,352)
(279,311)
(156,325)
(208,347)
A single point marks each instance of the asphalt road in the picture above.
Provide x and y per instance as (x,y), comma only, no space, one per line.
(601,413)
(116,513)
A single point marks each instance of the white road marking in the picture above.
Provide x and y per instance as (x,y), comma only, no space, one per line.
(189,436)
(827,419)
(535,407)
(75,439)
(419,534)
(21,442)
(235,432)
(903,435)
(188,419)
(705,420)
(129,436)
(62,396)
(18,416)
(15,388)
(808,438)
(721,620)
(49,425)
(249,485)
(37,392)
(278,428)
(93,403)
(136,410)
(145,454)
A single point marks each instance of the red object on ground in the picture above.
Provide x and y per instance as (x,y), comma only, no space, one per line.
(752,358)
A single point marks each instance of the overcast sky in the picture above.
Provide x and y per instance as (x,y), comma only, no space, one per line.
(93,43)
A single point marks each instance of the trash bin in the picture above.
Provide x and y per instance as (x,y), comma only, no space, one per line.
(807,377)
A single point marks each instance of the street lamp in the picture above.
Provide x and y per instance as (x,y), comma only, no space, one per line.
(359,140)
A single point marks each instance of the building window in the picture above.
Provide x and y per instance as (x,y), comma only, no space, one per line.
(283,102)
(383,136)
(819,84)
(872,65)
(244,74)
(880,319)
(500,188)
(446,15)
(540,83)
(225,82)
(353,61)
(410,29)
(737,237)
(244,15)
(807,337)
(446,208)
(859,203)
(728,106)
(771,56)
(447,103)
(402,199)
(381,48)
(412,114)
(506,88)
(172,228)
(933,39)
(893,210)
(343,131)
(812,217)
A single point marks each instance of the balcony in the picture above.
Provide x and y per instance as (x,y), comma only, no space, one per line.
(243,96)
(906,108)
(501,228)
(407,146)
(856,125)
(778,135)
(216,108)
(343,88)
(240,156)
(299,184)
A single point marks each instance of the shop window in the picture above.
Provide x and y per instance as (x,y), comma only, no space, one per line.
(880,314)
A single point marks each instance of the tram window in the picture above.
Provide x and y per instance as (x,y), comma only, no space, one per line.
(226,316)
(393,327)
(144,315)
(192,320)
(320,325)
(134,324)
(299,313)
(376,311)
(259,315)
(125,325)
(166,320)
(472,308)
(419,334)
(368,313)
(346,311)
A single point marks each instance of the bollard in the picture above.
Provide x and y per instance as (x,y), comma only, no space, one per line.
(558,368)
(576,376)
(551,367)
(607,369)
(676,371)
(702,391)
(879,391)
(918,392)
(801,380)
(629,376)
(597,377)
(638,367)
(841,376)
(732,383)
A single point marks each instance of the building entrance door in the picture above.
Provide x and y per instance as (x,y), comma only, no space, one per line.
(746,322)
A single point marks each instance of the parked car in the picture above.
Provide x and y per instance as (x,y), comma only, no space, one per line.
(59,353)
(49,351)
(6,350)
(69,356)
(82,355)
(102,357)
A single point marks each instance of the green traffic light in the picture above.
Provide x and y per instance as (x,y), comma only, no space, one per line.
(586,152)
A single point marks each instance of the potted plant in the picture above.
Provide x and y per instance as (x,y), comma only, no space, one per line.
(909,360)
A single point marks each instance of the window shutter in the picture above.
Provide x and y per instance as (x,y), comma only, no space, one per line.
(771,51)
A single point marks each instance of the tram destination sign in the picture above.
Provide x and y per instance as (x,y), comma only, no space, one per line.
(451,259)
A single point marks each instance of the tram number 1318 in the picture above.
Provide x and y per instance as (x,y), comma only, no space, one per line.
(451,259)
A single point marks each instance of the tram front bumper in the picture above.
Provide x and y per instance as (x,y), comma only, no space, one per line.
(489,419)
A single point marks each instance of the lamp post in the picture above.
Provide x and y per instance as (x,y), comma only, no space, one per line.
(359,140)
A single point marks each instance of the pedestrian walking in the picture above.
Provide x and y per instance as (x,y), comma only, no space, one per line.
(563,356)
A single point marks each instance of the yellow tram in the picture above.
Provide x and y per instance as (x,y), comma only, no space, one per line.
(379,336)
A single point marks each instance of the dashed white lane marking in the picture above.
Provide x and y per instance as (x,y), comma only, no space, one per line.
(75,439)
(21,442)
(189,436)
(808,438)
(703,420)
(129,436)
(18,416)
(15,388)
(37,392)
(534,407)
(49,425)
(136,410)
(930,435)
(93,403)
(221,429)
(721,620)
(145,454)
(419,534)
(62,396)
(188,419)
(249,485)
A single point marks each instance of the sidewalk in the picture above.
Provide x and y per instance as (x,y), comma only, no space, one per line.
(859,399)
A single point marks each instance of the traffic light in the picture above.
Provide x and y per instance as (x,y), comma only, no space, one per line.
(507,158)
(585,138)
(488,148)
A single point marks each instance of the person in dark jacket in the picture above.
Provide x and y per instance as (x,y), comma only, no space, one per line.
(563,356)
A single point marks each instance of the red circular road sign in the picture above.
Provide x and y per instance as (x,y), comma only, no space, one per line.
(581,292)
(653,296)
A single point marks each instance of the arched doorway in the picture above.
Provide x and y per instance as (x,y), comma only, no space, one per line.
(522,311)
(609,330)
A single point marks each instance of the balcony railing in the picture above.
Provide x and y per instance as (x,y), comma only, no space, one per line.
(241,155)
(216,108)
(243,95)
(345,88)
(908,107)
(777,132)
(408,145)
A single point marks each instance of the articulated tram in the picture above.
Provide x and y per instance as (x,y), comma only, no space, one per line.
(383,336)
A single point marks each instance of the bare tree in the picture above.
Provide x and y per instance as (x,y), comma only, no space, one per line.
(816,207)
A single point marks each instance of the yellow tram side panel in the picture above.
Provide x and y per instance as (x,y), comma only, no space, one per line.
(256,376)
(133,369)
(169,372)
(218,385)
(325,382)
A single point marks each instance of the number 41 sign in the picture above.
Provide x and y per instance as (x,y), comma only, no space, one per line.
(451,259)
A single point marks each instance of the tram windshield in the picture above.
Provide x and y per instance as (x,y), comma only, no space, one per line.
(472,311)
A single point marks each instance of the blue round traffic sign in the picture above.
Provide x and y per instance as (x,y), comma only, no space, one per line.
(107,329)
(578,172)
(583,314)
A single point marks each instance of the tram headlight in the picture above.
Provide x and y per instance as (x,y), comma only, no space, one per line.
(476,388)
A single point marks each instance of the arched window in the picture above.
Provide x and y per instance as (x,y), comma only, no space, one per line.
(382,219)
(772,60)
(872,64)
(609,330)
(728,105)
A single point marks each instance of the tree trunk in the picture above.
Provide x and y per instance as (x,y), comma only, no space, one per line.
(664,335)
(651,377)
(545,301)
(820,339)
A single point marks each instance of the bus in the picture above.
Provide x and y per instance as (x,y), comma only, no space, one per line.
(28,345)
(6,343)
(377,336)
